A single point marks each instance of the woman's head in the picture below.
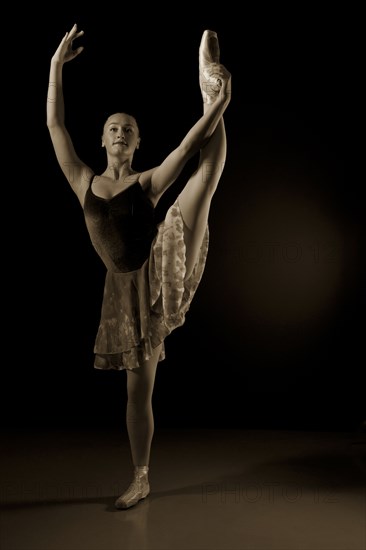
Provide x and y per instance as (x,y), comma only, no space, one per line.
(121,135)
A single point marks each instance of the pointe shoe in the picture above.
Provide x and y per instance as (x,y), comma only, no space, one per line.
(138,489)
(209,66)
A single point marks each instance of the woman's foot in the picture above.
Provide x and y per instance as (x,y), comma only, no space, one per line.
(138,489)
(209,66)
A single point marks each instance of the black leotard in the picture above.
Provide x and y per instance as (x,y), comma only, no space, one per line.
(122,228)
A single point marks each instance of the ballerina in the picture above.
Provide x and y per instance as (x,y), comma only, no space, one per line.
(152,269)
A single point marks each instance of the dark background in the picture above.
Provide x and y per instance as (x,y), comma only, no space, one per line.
(275,334)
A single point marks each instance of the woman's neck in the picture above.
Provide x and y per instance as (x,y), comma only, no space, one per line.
(118,169)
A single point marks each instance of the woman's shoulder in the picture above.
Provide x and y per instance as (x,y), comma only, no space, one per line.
(145,178)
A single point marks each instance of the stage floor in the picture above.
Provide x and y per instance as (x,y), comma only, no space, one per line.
(210,490)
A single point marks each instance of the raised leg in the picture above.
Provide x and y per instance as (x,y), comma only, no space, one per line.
(195,199)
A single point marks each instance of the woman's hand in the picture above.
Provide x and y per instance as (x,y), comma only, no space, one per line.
(220,79)
(225,77)
(65,52)
(215,82)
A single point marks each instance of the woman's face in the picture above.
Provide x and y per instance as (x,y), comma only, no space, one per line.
(120,135)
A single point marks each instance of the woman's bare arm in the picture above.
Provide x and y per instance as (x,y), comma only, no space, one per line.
(76,172)
(168,171)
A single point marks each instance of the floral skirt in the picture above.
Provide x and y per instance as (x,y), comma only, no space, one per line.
(140,308)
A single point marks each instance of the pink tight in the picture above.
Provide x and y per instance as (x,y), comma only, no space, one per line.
(139,413)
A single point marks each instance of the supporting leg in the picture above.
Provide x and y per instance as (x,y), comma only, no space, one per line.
(140,428)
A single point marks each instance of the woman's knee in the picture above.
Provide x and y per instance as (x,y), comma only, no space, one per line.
(211,173)
(140,381)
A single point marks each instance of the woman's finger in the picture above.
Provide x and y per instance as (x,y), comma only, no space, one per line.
(78,50)
(73,35)
(73,32)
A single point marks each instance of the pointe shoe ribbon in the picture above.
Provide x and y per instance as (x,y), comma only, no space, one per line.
(209,66)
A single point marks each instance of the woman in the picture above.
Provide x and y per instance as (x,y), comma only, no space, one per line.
(153,269)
